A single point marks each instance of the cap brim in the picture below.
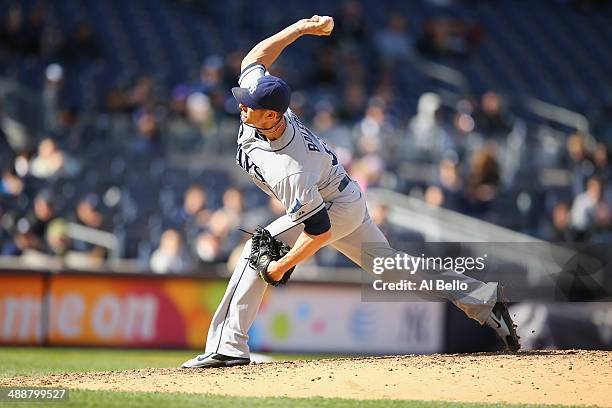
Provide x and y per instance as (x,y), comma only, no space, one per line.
(243,97)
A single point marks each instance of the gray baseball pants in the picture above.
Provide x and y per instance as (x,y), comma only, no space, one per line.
(351,227)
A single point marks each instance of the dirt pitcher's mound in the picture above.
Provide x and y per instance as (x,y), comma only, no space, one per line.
(551,377)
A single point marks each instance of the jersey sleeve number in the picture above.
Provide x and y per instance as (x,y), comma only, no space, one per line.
(332,154)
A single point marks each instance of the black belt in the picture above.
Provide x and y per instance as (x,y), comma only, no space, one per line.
(344,183)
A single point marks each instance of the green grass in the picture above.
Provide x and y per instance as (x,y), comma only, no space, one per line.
(110,399)
(40,361)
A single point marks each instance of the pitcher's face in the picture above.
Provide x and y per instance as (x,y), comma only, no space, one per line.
(258,118)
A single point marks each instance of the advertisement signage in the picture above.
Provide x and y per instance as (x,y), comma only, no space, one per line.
(81,309)
(323,318)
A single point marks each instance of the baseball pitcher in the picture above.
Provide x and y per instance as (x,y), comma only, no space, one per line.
(323,207)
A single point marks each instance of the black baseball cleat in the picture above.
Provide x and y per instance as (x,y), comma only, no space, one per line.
(211,360)
(500,321)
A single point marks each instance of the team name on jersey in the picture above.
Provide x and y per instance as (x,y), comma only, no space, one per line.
(246,163)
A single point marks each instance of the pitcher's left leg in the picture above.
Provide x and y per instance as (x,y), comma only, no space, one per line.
(483,302)
(227,338)
(368,242)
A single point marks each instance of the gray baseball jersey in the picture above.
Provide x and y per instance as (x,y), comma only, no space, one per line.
(298,168)
(304,174)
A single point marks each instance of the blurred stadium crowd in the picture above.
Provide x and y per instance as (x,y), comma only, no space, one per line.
(123,120)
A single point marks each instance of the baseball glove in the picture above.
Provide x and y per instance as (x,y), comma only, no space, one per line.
(265,249)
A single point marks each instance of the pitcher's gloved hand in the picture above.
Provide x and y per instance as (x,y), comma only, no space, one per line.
(265,249)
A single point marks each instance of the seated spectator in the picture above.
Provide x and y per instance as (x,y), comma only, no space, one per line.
(211,75)
(171,256)
(463,139)
(354,101)
(42,215)
(8,234)
(580,165)
(89,215)
(336,135)
(11,246)
(482,182)
(191,118)
(209,249)
(600,160)
(491,118)
(448,191)
(23,162)
(57,238)
(50,160)
(561,229)
(142,94)
(233,207)
(427,127)
(118,100)
(20,240)
(126,98)
(147,139)
(368,171)
(375,131)
(395,42)
(587,209)
(379,214)
(10,184)
(225,229)
(194,211)
(178,101)
(200,112)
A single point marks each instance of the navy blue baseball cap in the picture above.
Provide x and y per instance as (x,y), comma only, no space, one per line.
(269,92)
